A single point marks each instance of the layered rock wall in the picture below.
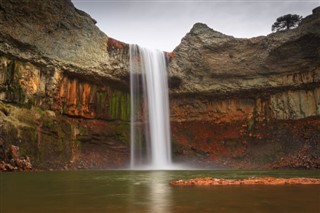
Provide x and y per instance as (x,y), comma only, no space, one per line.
(65,100)
(288,103)
(61,121)
(63,86)
(248,132)
(247,102)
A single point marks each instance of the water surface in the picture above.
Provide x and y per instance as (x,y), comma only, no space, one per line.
(149,191)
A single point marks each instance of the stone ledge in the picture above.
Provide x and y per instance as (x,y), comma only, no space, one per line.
(208,181)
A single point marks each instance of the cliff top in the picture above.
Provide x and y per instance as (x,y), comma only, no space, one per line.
(210,62)
(51,29)
(56,33)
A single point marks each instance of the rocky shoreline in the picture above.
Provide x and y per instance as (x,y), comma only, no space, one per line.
(10,160)
(209,181)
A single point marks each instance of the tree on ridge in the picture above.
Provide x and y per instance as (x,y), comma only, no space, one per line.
(286,22)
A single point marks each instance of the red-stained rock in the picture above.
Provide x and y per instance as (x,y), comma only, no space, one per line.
(271,145)
(23,164)
(9,167)
(14,161)
(2,166)
(237,109)
(169,56)
(13,152)
(115,44)
(80,98)
(208,181)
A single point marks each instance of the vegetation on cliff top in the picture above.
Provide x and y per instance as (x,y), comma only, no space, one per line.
(286,22)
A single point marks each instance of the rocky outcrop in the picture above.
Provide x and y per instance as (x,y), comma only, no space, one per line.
(249,181)
(212,63)
(248,102)
(52,140)
(12,160)
(54,29)
(64,98)
(56,34)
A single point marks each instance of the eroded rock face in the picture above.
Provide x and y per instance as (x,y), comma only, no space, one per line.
(49,117)
(55,29)
(67,83)
(55,33)
(247,102)
(209,62)
(50,140)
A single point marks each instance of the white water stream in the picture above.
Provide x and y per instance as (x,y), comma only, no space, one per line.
(150,124)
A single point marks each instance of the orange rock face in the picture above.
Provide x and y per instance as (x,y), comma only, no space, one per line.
(246,132)
(115,44)
(86,100)
(208,181)
(65,121)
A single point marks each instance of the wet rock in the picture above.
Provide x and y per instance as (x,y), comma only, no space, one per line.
(2,149)
(2,166)
(250,181)
(8,167)
(14,161)
(13,152)
(24,164)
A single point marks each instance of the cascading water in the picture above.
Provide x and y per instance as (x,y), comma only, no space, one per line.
(150,126)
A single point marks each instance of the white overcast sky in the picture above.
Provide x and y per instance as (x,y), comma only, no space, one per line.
(161,24)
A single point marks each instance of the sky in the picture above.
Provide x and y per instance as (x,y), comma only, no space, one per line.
(161,24)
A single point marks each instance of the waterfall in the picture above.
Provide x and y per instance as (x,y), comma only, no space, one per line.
(150,124)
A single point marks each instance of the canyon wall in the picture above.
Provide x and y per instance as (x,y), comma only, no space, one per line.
(61,121)
(248,102)
(64,97)
(241,103)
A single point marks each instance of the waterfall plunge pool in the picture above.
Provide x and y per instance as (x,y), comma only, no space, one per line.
(149,191)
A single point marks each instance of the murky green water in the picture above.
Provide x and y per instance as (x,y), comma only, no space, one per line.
(148,191)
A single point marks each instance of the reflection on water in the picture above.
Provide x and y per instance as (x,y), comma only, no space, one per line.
(159,193)
(149,191)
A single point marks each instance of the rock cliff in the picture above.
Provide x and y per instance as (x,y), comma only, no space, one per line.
(253,100)
(212,63)
(55,33)
(65,101)
(63,87)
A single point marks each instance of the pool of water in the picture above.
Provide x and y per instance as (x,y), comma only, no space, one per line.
(149,191)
